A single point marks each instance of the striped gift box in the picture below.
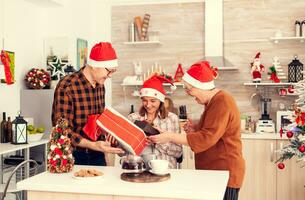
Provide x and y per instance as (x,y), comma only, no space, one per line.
(131,137)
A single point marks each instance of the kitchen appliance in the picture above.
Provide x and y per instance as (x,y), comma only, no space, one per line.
(182,113)
(132,164)
(265,123)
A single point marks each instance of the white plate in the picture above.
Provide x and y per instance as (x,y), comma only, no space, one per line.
(159,173)
(87,178)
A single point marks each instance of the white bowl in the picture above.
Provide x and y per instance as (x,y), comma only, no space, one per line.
(35,137)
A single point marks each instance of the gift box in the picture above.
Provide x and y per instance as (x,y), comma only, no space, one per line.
(131,137)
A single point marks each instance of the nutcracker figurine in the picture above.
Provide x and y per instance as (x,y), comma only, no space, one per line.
(257,69)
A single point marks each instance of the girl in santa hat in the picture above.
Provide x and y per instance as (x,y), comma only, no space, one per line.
(216,138)
(153,111)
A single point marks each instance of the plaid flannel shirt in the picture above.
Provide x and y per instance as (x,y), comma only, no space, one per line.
(168,151)
(74,99)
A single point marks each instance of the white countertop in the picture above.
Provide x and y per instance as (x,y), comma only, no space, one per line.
(183,184)
(8,147)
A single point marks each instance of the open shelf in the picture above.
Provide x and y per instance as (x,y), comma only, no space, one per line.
(227,68)
(143,43)
(269,84)
(278,39)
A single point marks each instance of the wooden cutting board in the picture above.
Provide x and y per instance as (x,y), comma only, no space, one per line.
(144,177)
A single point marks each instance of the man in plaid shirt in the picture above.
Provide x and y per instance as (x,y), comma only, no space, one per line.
(81,96)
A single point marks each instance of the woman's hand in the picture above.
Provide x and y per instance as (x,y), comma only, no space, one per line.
(189,126)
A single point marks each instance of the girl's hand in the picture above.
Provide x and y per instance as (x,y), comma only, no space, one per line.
(160,139)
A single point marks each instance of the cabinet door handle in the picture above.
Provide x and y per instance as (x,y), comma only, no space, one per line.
(271,152)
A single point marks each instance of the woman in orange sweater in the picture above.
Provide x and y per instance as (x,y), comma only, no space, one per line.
(216,138)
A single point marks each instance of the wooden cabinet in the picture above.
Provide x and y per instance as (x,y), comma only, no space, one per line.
(188,158)
(263,180)
(260,178)
(290,181)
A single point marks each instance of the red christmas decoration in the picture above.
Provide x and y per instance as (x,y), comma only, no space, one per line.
(291,89)
(179,73)
(37,79)
(5,59)
(257,68)
(281,165)
(289,134)
(281,132)
(302,148)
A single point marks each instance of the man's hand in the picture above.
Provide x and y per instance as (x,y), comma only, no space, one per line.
(106,147)
(113,142)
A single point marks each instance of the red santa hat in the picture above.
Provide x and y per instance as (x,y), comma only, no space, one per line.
(201,75)
(153,87)
(258,55)
(103,55)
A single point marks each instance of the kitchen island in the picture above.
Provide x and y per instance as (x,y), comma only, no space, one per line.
(183,184)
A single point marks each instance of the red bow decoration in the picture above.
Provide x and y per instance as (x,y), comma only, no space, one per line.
(5,59)
(91,129)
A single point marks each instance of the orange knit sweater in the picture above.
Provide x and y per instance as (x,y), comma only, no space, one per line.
(217,142)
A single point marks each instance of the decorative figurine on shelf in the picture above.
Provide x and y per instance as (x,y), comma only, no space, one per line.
(37,79)
(295,70)
(257,69)
(179,73)
(273,75)
(60,159)
(138,70)
(276,71)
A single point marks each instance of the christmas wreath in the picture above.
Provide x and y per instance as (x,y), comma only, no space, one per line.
(37,79)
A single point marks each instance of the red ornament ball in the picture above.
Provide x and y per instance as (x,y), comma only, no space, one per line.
(289,134)
(302,148)
(281,165)
(290,89)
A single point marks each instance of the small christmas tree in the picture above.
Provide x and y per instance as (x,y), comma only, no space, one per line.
(296,131)
(60,157)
